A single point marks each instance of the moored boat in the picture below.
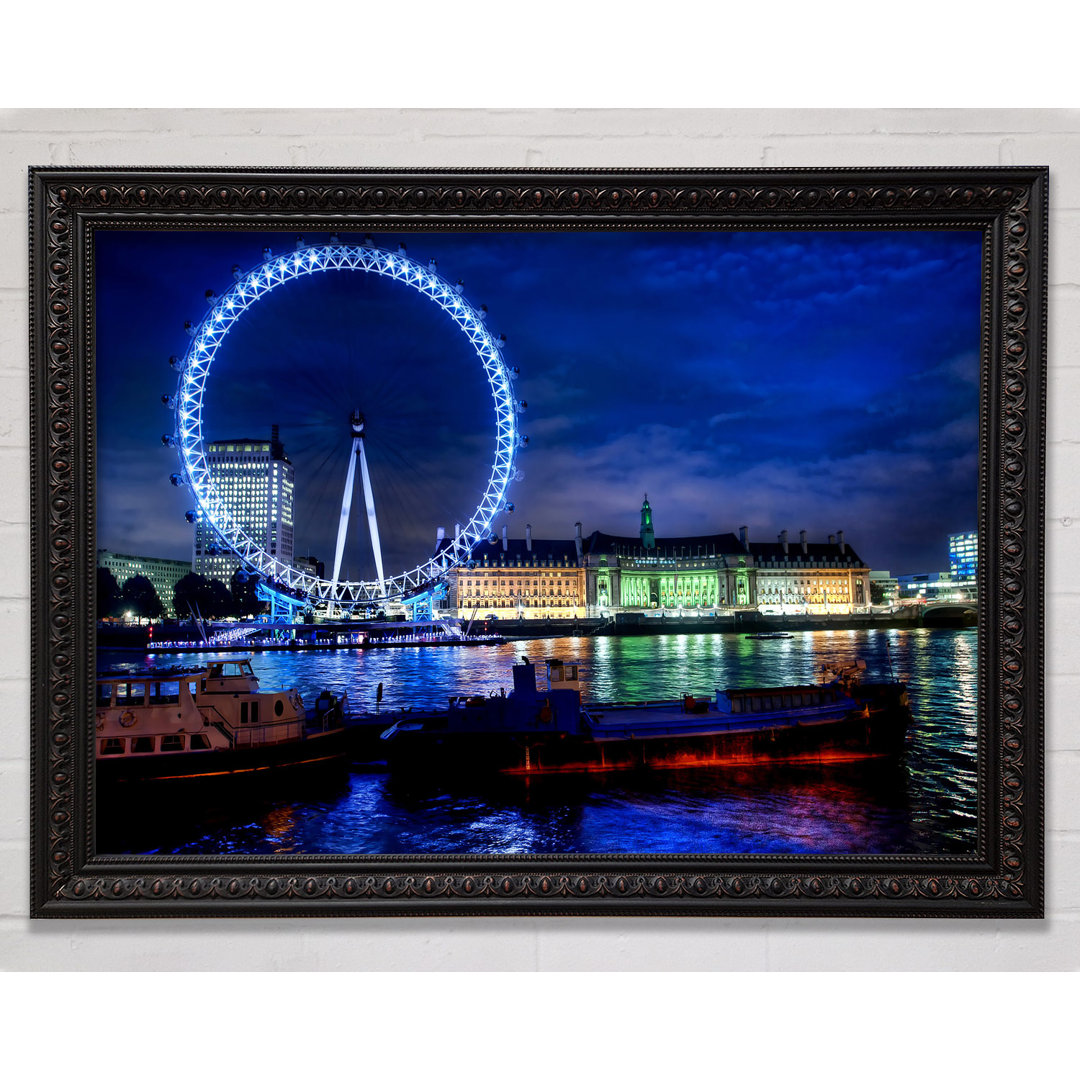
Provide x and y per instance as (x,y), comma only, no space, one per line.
(534,731)
(208,722)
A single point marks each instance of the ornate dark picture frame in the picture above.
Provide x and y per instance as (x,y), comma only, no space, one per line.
(1004,878)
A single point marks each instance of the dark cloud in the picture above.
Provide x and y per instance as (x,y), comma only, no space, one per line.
(818,380)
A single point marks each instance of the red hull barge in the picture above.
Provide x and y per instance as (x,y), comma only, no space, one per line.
(536,732)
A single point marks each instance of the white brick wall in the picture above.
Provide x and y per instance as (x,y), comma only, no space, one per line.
(428,138)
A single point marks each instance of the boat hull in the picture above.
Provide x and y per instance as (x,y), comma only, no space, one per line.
(324,750)
(861,734)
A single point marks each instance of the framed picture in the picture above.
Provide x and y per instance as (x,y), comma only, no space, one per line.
(538,542)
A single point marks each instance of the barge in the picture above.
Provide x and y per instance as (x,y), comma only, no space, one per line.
(209,722)
(535,731)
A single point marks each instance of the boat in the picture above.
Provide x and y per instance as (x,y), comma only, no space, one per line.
(772,635)
(411,641)
(208,722)
(531,731)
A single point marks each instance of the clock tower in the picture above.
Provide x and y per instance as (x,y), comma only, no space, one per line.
(648,537)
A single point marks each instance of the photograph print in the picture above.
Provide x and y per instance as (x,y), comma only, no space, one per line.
(540,542)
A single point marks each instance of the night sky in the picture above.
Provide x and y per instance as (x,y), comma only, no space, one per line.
(779,379)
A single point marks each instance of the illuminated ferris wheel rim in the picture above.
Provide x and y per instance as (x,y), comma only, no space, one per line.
(206,338)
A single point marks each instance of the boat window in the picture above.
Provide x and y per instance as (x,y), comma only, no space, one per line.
(787,701)
(164,693)
(142,744)
(254,712)
(112,746)
(104,694)
(172,742)
(243,712)
(130,692)
(200,742)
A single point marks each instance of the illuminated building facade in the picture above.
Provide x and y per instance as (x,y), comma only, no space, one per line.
(702,574)
(940,586)
(520,579)
(604,575)
(963,555)
(163,574)
(256,480)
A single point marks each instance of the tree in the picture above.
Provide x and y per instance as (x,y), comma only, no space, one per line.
(209,597)
(193,591)
(140,597)
(108,594)
(245,595)
(220,603)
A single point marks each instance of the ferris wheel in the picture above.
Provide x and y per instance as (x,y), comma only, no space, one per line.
(196,472)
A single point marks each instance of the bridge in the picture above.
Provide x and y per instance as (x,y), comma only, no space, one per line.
(959,611)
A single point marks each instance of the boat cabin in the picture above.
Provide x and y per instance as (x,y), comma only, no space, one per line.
(232,676)
(525,708)
(218,706)
(124,691)
(562,676)
(150,714)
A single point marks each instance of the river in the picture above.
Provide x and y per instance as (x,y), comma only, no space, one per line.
(924,804)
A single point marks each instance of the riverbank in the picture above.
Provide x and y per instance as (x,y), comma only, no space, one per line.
(639,625)
(629,624)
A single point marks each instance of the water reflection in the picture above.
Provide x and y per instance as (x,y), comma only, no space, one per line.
(924,804)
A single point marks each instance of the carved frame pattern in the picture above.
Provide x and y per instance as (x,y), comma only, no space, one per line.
(1004,879)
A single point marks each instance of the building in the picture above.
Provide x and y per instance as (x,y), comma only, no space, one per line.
(702,574)
(520,579)
(939,586)
(310,565)
(163,574)
(964,555)
(603,575)
(256,481)
(884,588)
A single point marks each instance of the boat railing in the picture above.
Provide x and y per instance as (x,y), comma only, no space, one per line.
(328,713)
(256,734)
(260,735)
(220,725)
